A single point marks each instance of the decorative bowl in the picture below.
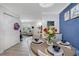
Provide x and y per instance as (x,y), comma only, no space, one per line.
(56,48)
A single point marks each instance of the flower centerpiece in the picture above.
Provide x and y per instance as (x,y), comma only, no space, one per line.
(50,32)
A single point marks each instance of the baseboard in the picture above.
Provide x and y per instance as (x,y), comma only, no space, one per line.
(9,47)
(12,46)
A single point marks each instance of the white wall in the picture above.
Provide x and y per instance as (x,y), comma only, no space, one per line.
(8,36)
(43,20)
(51,17)
(28,24)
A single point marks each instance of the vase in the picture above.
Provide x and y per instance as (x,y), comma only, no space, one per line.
(49,43)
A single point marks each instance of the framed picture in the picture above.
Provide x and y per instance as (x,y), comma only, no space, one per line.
(75,11)
(50,23)
(67,15)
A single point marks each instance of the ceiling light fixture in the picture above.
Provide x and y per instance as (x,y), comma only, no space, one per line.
(25,20)
(46,5)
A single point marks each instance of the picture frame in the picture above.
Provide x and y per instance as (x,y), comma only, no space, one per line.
(67,15)
(50,23)
(75,11)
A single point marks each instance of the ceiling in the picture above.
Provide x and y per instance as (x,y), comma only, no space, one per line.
(33,10)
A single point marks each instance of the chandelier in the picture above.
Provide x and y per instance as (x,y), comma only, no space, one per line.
(46,5)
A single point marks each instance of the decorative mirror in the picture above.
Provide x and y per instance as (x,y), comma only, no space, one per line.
(16,26)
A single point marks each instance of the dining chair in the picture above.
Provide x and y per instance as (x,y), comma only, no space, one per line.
(58,37)
(29,41)
(76,52)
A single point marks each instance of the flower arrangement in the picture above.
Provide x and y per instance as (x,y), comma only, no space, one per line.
(51,31)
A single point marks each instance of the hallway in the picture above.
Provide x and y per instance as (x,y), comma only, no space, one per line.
(19,49)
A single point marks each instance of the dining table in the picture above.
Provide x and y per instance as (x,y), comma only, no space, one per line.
(42,48)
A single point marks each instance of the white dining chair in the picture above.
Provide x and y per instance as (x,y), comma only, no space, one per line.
(58,37)
(77,52)
(29,41)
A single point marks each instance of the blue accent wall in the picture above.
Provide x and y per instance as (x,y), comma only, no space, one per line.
(70,28)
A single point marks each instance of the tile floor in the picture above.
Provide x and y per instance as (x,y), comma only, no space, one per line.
(19,49)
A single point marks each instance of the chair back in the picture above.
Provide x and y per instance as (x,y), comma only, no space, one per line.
(29,41)
(58,37)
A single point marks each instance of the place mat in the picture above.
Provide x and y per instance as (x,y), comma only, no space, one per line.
(69,47)
(51,51)
(61,43)
(40,53)
(64,44)
(37,42)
